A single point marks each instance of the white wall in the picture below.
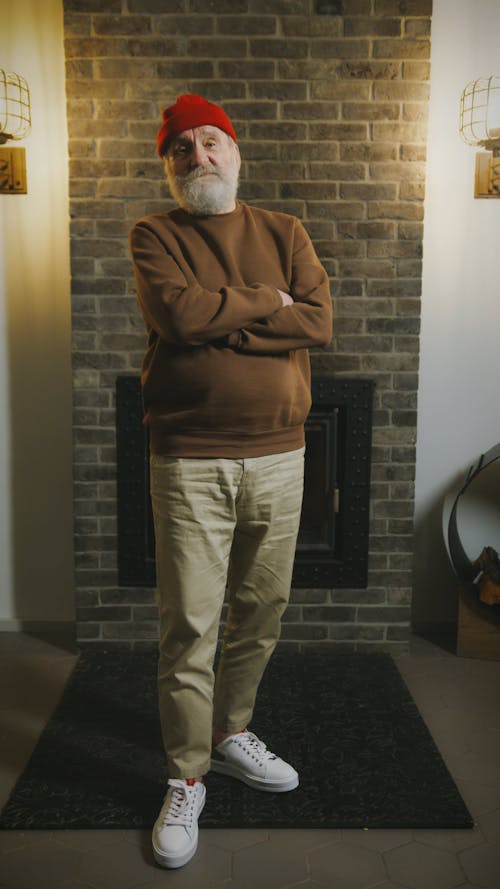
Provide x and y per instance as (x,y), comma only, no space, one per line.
(36,564)
(459,394)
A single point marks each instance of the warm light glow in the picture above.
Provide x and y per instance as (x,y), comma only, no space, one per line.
(15,116)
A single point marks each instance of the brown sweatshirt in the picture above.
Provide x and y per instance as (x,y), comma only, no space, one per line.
(226,372)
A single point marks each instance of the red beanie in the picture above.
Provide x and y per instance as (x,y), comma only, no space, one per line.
(188,112)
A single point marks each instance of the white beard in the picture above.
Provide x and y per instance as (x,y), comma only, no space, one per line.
(205,191)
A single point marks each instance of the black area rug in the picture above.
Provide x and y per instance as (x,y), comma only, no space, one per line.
(346,721)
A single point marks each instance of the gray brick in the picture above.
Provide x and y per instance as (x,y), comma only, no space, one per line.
(82,47)
(387,614)
(371,26)
(218,6)
(339,131)
(340,49)
(370,70)
(311,596)
(363,596)
(361,151)
(278,130)
(100,613)
(219,91)
(355,632)
(343,7)
(274,48)
(216,47)
(310,110)
(398,633)
(328,613)
(156,6)
(183,68)
(131,631)
(280,7)
(128,596)
(304,632)
(76,24)
(86,631)
(280,90)
(184,24)
(401,49)
(246,111)
(411,7)
(340,91)
(246,69)
(244,24)
(81,6)
(311,26)
(416,71)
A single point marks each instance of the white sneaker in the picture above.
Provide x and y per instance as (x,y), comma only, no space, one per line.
(245,757)
(175,833)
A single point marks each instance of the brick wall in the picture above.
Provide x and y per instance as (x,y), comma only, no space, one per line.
(329,100)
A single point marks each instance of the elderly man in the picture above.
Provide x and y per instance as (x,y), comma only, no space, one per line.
(232,296)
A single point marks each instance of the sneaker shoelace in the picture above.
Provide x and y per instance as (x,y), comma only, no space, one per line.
(253,746)
(180,808)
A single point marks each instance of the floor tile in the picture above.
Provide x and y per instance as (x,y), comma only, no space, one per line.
(116,864)
(209,867)
(305,840)
(269,865)
(22,868)
(380,840)
(480,798)
(353,867)
(449,840)
(389,885)
(423,867)
(465,886)
(482,865)
(232,840)
(85,840)
(19,839)
(490,826)
(306,884)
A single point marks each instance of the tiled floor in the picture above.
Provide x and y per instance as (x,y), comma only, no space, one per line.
(460,701)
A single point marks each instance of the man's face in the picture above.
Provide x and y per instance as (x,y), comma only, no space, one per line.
(202,167)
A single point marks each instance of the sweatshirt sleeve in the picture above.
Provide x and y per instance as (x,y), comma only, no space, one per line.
(181,311)
(308,322)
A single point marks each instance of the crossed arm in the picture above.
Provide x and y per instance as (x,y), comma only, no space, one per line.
(258,318)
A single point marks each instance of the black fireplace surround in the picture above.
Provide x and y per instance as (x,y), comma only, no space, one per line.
(332,547)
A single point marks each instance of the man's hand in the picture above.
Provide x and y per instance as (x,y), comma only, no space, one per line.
(285,298)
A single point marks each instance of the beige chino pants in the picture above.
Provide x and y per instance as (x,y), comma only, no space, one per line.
(219,523)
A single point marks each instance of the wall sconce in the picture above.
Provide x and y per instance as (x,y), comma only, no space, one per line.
(15,123)
(480,125)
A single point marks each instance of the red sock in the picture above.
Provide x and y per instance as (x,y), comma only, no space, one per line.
(239,732)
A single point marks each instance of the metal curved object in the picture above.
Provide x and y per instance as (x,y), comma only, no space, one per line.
(459,558)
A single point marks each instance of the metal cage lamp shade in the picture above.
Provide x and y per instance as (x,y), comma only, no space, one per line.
(480,113)
(480,126)
(15,112)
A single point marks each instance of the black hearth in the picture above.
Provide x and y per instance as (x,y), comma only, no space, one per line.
(332,548)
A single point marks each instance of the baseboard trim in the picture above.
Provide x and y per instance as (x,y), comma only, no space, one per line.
(38,627)
(434,627)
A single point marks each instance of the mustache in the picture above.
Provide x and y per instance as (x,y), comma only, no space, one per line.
(199,173)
